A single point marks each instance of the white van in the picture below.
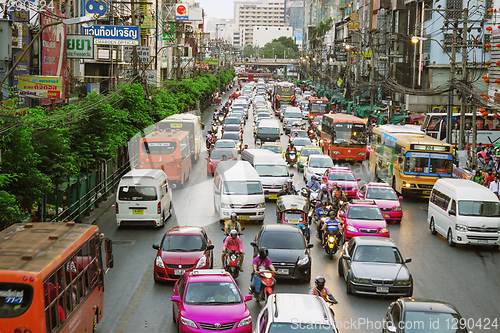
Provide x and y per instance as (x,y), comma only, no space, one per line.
(464,212)
(272,169)
(237,188)
(143,198)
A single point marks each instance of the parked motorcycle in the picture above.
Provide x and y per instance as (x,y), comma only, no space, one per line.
(266,286)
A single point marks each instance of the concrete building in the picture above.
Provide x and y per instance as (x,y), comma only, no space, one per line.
(264,34)
(294,14)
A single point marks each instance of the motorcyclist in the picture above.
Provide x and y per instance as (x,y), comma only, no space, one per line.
(233,243)
(209,139)
(321,212)
(233,224)
(321,290)
(313,184)
(260,262)
(290,188)
(290,149)
(332,220)
(339,195)
(324,195)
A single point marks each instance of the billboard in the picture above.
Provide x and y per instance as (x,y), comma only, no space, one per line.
(80,47)
(20,39)
(92,7)
(54,62)
(168,31)
(181,12)
(50,87)
(113,34)
(298,36)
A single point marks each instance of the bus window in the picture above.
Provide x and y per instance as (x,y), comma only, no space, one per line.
(496,124)
(417,164)
(480,124)
(434,124)
(160,148)
(15,299)
(441,166)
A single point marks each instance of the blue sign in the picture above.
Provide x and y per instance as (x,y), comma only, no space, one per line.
(113,34)
(389,140)
(91,7)
(298,35)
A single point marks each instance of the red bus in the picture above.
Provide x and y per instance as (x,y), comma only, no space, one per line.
(169,151)
(318,106)
(343,137)
(245,76)
(52,277)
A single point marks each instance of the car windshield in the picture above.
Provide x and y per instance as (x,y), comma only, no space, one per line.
(381,194)
(307,152)
(293,217)
(300,134)
(282,241)
(263,115)
(297,115)
(232,128)
(232,121)
(268,130)
(137,193)
(274,149)
(224,144)
(302,142)
(231,135)
(218,154)
(364,213)
(373,253)
(306,327)
(16,298)
(320,163)
(428,321)
(183,243)
(242,188)
(272,170)
(212,293)
(342,176)
(349,134)
(479,208)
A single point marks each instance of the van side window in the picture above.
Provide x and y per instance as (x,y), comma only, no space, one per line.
(439,199)
(453,205)
(164,188)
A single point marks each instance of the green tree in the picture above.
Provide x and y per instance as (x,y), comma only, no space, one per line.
(249,50)
(9,208)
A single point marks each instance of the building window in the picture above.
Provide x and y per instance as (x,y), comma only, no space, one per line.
(454,4)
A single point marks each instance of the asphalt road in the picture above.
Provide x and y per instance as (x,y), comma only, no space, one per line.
(465,276)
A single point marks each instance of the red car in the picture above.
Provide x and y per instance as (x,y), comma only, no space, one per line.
(181,250)
(217,155)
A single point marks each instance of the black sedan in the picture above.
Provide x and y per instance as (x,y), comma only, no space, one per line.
(423,315)
(374,266)
(288,250)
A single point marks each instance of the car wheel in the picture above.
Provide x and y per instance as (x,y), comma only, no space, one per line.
(155,278)
(432,226)
(349,286)
(340,268)
(163,220)
(173,315)
(449,238)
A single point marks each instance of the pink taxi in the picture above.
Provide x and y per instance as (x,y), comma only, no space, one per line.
(386,199)
(345,177)
(362,218)
(209,300)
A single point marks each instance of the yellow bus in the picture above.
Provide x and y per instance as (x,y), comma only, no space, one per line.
(409,160)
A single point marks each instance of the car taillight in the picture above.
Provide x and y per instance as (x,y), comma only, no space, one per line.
(117,208)
(159,207)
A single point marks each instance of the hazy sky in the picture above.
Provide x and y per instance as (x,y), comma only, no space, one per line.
(218,8)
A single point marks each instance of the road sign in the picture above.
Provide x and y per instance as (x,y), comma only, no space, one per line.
(143,53)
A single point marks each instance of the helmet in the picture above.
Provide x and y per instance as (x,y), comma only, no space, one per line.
(319,281)
(313,177)
(291,144)
(324,188)
(263,252)
(339,187)
(289,181)
(324,178)
(233,233)
(324,202)
(234,215)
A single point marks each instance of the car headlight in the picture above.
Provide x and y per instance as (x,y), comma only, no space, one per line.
(303,261)
(351,228)
(398,209)
(261,205)
(245,322)
(225,205)
(188,322)
(360,280)
(334,152)
(210,163)
(402,282)
(355,188)
(361,154)
(159,262)
(383,231)
(202,262)
(460,227)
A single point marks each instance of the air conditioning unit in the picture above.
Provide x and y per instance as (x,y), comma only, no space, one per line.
(425,55)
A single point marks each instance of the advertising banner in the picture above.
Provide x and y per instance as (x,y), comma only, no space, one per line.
(54,62)
(80,47)
(211,61)
(113,34)
(168,32)
(50,87)
(92,7)
(20,39)
(181,12)
(143,54)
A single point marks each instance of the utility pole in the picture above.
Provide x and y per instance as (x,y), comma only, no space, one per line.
(178,38)
(135,69)
(372,65)
(464,79)
(449,114)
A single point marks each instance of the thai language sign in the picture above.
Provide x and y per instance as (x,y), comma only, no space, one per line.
(113,34)
(40,86)
(80,47)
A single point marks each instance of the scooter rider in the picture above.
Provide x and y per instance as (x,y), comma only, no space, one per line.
(233,224)
(331,221)
(290,149)
(321,212)
(260,262)
(321,290)
(233,243)
(324,195)
(339,195)
(313,184)
(290,188)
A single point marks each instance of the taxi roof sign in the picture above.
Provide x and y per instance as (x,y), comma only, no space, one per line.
(357,201)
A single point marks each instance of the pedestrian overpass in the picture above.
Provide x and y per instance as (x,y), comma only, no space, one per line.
(266,62)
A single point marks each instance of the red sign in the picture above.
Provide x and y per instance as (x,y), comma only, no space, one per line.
(181,10)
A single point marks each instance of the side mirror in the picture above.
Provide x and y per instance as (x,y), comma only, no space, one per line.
(407,260)
(346,257)
(341,214)
(291,174)
(248,298)
(206,158)
(210,247)
(391,329)
(222,229)
(359,179)
(400,160)
(202,126)
(310,245)
(254,244)
(156,246)
(175,298)
(452,212)
(400,198)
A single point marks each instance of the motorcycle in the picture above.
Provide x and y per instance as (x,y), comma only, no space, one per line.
(291,158)
(266,286)
(232,264)
(330,304)
(331,238)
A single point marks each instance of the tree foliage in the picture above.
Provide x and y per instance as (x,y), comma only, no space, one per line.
(46,147)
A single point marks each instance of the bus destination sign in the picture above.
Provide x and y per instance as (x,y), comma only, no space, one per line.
(429,147)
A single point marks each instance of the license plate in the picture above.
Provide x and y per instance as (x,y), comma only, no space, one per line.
(426,192)
(273,196)
(293,221)
(137,211)
(244,217)
(482,241)
(283,271)
(383,290)
(386,215)
(348,158)
(179,271)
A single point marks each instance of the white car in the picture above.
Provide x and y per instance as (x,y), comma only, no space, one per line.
(305,112)
(317,165)
(300,143)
